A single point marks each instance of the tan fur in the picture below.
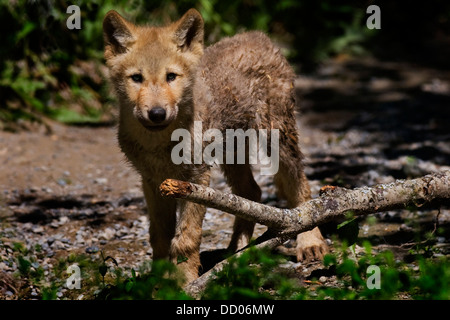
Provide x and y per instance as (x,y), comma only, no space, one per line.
(240,82)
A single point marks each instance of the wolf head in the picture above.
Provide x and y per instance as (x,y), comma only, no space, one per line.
(152,68)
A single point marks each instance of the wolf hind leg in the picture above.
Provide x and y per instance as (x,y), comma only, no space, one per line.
(240,179)
(293,186)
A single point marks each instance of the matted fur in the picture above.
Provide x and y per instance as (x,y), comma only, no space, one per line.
(240,82)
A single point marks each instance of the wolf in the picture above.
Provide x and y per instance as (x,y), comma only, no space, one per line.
(165,80)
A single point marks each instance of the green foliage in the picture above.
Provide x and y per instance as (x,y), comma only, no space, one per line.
(352,275)
(397,279)
(158,280)
(255,274)
(434,280)
(48,70)
(247,276)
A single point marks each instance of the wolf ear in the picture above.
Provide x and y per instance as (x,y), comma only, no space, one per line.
(116,34)
(189,30)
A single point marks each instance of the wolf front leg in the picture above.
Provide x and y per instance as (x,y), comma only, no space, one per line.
(185,247)
(162,214)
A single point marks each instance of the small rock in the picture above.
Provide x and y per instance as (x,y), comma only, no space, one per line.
(58,245)
(39,229)
(80,240)
(101,180)
(287,265)
(440,239)
(93,249)
(54,224)
(107,234)
(63,220)
(27,226)
(323,279)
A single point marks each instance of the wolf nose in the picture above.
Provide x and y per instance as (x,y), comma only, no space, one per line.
(157,114)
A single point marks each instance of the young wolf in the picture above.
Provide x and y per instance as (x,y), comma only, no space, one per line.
(164,81)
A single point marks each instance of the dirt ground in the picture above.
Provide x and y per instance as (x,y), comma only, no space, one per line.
(361,121)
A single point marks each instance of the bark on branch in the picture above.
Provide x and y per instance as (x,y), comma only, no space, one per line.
(334,202)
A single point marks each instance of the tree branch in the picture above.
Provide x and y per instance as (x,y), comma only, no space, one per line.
(333,203)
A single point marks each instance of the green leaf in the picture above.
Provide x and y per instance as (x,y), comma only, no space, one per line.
(103,269)
(181,259)
(23,265)
(129,286)
(27,28)
(348,231)
(329,259)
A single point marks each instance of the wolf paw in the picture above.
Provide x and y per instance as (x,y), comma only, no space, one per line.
(311,246)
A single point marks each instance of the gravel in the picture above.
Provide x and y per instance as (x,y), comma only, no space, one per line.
(60,195)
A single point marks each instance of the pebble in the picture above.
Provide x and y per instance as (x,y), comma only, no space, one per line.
(63,220)
(93,249)
(47,190)
(287,265)
(107,234)
(39,229)
(440,239)
(58,245)
(101,180)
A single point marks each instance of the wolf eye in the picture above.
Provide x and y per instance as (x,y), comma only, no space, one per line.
(137,77)
(171,76)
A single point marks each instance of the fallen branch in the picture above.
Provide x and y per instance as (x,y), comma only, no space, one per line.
(333,203)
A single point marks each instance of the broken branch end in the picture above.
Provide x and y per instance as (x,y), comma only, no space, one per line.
(175,188)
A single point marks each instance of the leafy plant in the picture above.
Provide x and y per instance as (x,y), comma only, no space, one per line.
(157,280)
(48,70)
(250,276)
